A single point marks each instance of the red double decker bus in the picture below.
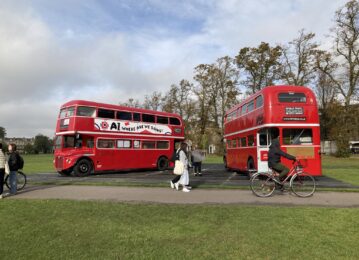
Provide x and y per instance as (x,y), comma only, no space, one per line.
(93,137)
(289,112)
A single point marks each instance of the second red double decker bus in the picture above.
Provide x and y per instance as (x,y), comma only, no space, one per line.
(289,112)
(95,137)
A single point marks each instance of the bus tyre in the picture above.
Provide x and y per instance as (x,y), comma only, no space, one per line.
(83,168)
(225,164)
(162,163)
(250,167)
(65,173)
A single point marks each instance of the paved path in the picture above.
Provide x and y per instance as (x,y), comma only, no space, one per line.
(196,196)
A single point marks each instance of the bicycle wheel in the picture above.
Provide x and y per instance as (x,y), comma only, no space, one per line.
(21,180)
(262,185)
(302,185)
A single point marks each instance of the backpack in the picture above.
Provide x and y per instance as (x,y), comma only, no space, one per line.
(175,155)
(20,162)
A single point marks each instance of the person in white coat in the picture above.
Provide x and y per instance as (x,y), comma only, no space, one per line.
(184,178)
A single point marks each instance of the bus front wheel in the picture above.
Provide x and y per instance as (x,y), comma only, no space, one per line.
(83,168)
(65,173)
(162,163)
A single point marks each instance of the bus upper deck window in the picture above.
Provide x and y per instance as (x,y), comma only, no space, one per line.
(106,113)
(244,109)
(148,118)
(250,106)
(136,117)
(162,120)
(174,121)
(259,101)
(123,115)
(67,112)
(291,97)
(86,111)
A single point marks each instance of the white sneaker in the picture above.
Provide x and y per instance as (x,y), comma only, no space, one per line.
(172,185)
(1,196)
(185,189)
(176,185)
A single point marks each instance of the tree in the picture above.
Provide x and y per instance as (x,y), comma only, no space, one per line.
(346,42)
(42,144)
(261,66)
(325,90)
(2,132)
(131,102)
(180,100)
(153,102)
(216,92)
(29,149)
(203,101)
(223,89)
(299,60)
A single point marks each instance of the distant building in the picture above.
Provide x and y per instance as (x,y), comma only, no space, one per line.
(20,142)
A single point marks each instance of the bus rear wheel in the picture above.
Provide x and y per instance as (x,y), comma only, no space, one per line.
(162,163)
(250,167)
(83,168)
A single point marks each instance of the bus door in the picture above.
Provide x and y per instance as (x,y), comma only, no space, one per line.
(263,141)
(105,154)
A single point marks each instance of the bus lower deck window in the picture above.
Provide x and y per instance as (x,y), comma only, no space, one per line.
(105,143)
(162,144)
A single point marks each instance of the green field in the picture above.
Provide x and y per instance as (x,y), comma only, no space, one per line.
(344,169)
(38,163)
(59,229)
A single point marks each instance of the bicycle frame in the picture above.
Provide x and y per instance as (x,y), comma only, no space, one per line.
(293,171)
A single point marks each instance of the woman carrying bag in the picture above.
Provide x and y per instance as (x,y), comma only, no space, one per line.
(182,179)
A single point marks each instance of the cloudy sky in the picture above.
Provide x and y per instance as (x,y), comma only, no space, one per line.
(111,50)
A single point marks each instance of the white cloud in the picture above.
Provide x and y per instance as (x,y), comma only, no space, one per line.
(42,67)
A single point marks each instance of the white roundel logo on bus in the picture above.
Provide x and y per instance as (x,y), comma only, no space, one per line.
(104,125)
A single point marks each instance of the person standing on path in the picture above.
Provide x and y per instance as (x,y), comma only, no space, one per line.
(13,165)
(197,158)
(184,178)
(2,170)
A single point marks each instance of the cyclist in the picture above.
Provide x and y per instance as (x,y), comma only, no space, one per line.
(274,155)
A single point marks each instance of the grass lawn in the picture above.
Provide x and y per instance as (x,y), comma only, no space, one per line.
(344,169)
(59,229)
(38,163)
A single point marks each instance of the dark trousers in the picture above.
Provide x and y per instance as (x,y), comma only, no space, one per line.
(2,174)
(281,169)
(197,167)
(176,179)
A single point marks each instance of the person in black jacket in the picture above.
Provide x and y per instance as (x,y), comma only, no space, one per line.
(274,155)
(13,165)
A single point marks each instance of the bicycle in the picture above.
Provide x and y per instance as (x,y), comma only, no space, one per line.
(21,180)
(301,184)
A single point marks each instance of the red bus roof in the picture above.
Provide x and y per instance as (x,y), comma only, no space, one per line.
(115,107)
(269,89)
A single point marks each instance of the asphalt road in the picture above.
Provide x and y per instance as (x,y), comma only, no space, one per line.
(213,175)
